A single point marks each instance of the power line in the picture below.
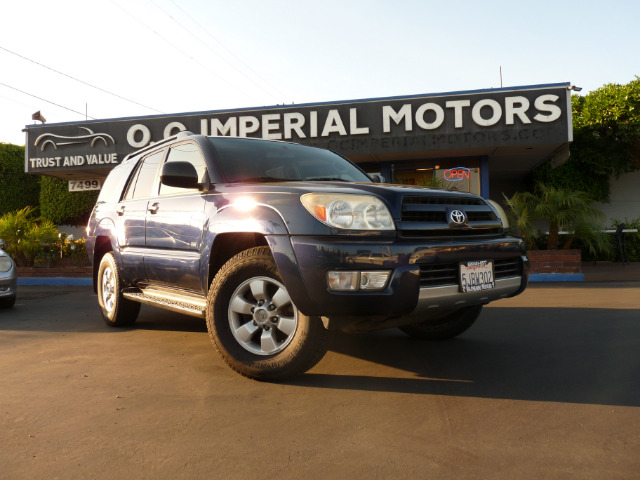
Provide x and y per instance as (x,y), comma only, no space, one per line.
(45,100)
(248,67)
(78,80)
(230,52)
(186,54)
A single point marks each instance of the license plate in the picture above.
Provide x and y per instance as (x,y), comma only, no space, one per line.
(476,276)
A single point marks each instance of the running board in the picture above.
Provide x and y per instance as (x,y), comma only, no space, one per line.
(181,302)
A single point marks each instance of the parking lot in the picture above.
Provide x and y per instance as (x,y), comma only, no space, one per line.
(545,385)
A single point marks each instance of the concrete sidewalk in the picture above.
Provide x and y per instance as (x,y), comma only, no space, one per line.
(611,272)
(593,272)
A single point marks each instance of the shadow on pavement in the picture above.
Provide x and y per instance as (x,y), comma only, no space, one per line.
(569,355)
(534,354)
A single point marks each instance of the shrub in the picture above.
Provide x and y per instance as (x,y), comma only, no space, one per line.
(24,235)
(631,240)
(63,207)
(17,188)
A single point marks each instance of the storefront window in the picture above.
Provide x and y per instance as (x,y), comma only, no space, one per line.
(462,175)
(460,178)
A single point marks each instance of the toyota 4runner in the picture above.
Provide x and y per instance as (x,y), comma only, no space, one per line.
(275,243)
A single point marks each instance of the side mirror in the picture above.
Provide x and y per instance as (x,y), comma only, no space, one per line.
(376,177)
(180,175)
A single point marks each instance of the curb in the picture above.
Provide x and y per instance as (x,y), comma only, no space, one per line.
(54,281)
(556,277)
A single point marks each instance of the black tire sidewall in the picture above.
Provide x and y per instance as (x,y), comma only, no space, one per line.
(125,311)
(305,348)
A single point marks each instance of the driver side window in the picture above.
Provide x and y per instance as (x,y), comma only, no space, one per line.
(185,152)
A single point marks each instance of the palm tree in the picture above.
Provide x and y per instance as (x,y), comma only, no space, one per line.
(521,219)
(562,210)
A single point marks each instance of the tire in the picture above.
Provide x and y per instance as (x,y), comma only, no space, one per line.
(254,325)
(117,311)
(444,328)
(7,302)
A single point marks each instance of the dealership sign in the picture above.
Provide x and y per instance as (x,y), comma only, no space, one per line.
(463,121)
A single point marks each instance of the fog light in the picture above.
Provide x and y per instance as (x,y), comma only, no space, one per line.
(373,280)
(351,281)
(343,281)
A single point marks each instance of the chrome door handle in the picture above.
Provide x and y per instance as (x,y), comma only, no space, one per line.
(120,210)
(154,207)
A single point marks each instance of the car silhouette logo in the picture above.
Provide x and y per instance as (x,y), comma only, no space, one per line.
(59,140)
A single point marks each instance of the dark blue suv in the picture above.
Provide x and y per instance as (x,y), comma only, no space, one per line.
(275,243)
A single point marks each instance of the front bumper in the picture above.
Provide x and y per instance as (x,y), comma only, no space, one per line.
(413,288)
(8,284)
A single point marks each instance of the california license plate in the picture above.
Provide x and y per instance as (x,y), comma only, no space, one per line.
(476,276)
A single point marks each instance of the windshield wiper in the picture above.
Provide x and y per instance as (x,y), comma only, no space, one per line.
(265,180)
(326,179)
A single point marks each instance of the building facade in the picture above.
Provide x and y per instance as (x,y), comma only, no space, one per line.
(482,141)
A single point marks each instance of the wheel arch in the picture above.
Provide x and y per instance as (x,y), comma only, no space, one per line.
(227,245)
(102,246)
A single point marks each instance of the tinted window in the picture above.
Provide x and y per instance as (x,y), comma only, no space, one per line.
(141,185)
(115,182)
(185,152)
(246,160)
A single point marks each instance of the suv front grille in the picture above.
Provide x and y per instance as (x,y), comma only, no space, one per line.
(431,217)
(428,216)
(437,200)
(443,274)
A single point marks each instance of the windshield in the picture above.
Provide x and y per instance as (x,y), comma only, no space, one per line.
(247,160)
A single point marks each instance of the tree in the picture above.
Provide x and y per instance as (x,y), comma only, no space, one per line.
(17,188)
(51,195)
(559,210)
(606,129)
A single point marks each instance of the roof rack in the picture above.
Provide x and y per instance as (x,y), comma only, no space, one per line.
(179,135)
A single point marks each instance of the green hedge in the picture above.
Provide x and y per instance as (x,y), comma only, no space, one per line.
(17,188)
(63,207)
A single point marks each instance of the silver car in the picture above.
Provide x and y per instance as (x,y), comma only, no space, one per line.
(8,279)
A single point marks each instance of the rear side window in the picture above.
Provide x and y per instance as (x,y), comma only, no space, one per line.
(141,185)
(113,186)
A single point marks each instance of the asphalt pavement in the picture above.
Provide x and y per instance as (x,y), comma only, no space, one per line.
(545,385)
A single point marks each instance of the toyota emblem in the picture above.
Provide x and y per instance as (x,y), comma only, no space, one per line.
(457,217)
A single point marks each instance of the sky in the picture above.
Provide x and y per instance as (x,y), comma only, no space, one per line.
(86,59)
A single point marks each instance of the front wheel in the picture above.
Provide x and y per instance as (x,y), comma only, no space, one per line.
(117,311)
(446,327)
(253,323)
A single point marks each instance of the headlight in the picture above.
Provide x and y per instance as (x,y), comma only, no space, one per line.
(350,212)
(5,264)
(499,211)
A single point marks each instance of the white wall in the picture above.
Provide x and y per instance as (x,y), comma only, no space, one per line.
(624,199)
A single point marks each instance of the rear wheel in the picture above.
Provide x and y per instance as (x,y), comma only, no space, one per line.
(446,327)
(117,311)
(254,324)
